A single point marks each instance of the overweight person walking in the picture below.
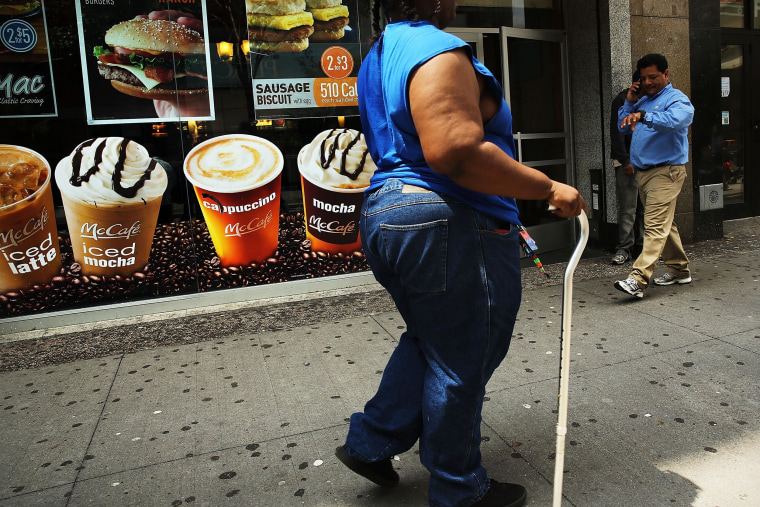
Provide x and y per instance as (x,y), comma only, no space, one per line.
(439,229)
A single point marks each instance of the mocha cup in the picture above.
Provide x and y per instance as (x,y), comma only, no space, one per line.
(331,214)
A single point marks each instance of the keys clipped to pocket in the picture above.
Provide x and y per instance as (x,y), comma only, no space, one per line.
(529,247)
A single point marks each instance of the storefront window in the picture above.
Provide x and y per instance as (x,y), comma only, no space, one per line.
(732,13)
(64,81)
(756,17)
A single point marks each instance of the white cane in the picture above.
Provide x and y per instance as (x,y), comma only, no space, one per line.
(564,368)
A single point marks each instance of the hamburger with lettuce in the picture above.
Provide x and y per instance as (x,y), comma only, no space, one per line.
(154,59)
(18,7)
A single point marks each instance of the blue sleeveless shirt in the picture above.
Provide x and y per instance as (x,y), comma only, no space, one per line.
(387,120)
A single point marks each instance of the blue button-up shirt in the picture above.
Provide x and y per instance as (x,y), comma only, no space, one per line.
(660,137)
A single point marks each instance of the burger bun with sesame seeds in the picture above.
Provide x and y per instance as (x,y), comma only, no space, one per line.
(156,35)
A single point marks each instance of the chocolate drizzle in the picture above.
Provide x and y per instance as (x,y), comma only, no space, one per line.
(76,168)
(325,162)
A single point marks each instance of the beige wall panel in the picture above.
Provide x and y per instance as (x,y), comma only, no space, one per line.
(664,9)
(670,37)
(663,27)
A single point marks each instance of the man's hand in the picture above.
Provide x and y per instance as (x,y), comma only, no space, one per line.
(632,119)
(628,169)
(635,92)
(566,199)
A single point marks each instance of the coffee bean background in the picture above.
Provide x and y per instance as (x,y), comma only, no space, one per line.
(182,260)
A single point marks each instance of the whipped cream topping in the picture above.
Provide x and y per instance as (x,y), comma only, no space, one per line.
(338,158)
(110,171)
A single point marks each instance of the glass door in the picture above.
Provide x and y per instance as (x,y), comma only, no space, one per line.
(535,68)
(739,132)
(737,137)
(733,121)
(533,63)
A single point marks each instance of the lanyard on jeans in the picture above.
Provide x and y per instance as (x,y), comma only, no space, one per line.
(529,247)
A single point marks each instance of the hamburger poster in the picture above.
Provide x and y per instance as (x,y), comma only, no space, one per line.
(143,61)
(26,75)
(305,57)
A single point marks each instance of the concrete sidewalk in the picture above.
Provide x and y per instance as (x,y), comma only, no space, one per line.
(664,399)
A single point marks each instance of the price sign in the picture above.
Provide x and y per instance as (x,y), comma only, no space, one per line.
(337,62)
(18,35)
(319,81)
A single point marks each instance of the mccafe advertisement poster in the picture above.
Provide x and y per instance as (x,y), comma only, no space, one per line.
(109,244)
(142,62)
(26,75)
(307,65)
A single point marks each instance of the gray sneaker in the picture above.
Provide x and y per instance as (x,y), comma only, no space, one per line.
(619,258)
(630,286)
(668,279)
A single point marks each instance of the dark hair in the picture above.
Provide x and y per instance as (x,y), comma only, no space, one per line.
(379,20)
(653,59)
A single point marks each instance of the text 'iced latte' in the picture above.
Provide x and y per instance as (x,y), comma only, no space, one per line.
(29,252)
(237,181)
(112,191)
(335,168)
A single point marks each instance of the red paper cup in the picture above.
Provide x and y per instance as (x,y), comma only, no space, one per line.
(237,182)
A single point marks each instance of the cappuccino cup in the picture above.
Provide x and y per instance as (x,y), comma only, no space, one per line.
(237,179)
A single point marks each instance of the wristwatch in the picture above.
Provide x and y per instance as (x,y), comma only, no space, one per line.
(643,114)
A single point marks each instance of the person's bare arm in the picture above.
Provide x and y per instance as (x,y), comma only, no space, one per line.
(444,95)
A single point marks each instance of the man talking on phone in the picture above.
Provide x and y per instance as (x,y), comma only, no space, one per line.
(658,117)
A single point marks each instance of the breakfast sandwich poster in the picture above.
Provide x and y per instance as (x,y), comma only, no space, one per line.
(143,62)
(304,57)
(26,75)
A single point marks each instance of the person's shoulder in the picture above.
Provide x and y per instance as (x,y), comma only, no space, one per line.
(675,93)
(422,36)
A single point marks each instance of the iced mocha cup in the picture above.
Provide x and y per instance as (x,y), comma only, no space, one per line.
(111,190)
(29,251)
(237,179)
(336,169)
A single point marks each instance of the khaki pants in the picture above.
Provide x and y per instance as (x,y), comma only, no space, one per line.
(659,189)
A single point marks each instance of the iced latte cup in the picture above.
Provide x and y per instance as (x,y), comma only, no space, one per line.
(29,253)
(336,169)
(237,181)
(112,191)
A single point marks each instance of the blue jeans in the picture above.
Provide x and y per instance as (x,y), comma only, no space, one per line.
(454,274)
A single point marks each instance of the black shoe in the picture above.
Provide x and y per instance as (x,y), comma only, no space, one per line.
(502,494)
(380,472)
